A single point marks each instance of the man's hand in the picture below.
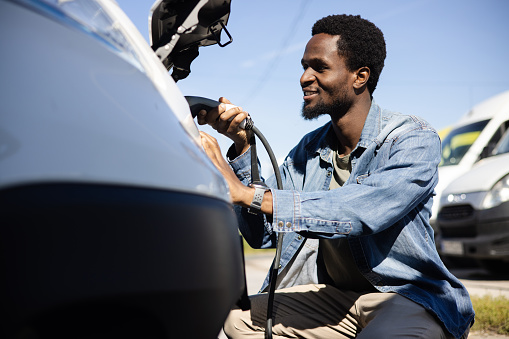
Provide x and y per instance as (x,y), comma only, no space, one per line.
(239,194)
(227,123)
(212,149)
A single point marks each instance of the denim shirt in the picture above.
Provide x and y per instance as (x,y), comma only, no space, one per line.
(383,210)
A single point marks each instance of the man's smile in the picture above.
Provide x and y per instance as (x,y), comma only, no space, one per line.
(309,94)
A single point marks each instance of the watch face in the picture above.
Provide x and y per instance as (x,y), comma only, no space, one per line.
(262,186)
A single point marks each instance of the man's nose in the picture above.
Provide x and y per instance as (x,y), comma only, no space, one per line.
(306,78)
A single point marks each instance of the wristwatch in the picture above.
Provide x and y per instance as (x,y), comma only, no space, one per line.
(256,204)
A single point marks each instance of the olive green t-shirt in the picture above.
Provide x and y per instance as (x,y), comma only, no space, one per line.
(336,254)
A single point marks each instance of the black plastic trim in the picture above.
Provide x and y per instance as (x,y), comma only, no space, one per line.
(91,252)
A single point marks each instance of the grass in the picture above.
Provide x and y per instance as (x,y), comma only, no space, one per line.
(249,250)
(491,314)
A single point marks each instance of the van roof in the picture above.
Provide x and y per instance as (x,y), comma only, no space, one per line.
(487,108)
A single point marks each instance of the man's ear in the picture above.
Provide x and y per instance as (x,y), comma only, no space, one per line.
(362,76)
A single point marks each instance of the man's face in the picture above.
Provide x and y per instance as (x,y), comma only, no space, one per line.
(326,82)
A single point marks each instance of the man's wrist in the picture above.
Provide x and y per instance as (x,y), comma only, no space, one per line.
(241,148)
(256,204)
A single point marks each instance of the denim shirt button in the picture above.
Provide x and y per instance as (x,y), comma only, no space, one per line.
(328,174)
(299,237)
(288,224)
(280,224)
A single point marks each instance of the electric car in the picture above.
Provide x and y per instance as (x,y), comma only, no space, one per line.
(473,214)
(114,221)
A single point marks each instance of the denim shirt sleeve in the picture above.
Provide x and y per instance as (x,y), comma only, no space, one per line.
(392,177)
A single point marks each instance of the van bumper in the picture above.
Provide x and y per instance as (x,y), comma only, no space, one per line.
(96,258)
(481,234)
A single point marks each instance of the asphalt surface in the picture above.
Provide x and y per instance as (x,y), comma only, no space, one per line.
(476,280)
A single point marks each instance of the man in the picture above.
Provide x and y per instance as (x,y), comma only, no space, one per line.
(359,258)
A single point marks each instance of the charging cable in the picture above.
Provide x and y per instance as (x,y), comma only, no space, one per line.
(197,104)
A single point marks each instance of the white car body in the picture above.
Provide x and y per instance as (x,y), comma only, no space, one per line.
(135,105)
(114,221)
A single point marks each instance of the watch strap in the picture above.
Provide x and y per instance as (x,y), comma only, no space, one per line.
(256,204)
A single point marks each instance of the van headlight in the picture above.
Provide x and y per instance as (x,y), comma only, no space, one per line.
(498,194)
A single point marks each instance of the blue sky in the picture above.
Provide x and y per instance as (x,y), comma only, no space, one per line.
(443,56)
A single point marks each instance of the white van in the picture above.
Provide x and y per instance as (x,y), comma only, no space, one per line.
(473,216)
(471,139)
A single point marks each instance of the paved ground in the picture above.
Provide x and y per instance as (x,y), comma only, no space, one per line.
(477,281)
(480,282)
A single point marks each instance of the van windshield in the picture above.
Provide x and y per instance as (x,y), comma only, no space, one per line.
(458,141)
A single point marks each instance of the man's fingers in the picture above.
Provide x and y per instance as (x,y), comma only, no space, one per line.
(210,144)
(234,124)
(224,120)
(207,139)
(224,100)
(210,117)
(201,117)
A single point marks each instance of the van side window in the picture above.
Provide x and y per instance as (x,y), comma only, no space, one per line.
(488,149)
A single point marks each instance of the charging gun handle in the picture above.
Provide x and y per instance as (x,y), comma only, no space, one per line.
(196,104)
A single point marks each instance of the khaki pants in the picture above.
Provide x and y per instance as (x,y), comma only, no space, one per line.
(323,311)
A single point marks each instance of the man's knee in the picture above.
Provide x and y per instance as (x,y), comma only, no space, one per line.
(390,315)
(231,323)
(239,324)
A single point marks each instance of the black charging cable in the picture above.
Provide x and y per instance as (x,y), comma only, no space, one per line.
(197,104)
(256,178)
(275,267)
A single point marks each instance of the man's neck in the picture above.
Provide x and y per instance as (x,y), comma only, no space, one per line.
(348,127)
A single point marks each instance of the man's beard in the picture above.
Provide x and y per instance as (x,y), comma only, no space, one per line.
(339,106)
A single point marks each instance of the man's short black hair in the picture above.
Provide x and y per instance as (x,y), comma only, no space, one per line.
(361,43)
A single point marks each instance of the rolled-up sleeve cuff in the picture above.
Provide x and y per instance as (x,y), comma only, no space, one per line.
(286,211)
(241,165)
(294,211)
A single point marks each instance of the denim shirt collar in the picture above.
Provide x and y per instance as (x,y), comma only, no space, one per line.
(371,129)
